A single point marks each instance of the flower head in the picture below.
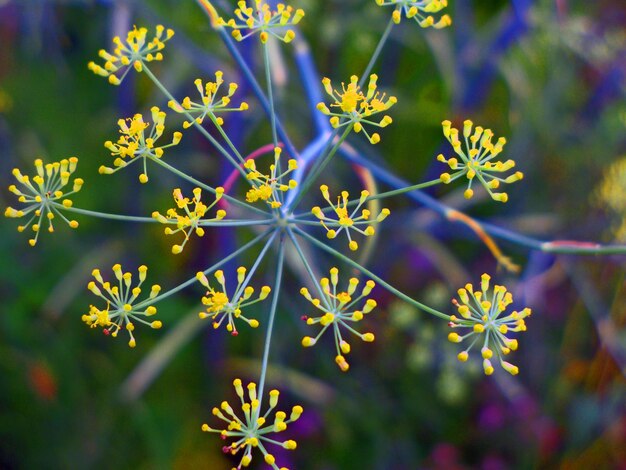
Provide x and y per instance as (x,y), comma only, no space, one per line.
(134,144)
(220,306)
(269,187)
(610,195)
(251,430)
(482,315)
(339,309)
(134,51)
(477,160)
(121,311)
(261,19)
(191,220)
(420,10)
(209,103)
(43,195)
(346,220)
(355,107)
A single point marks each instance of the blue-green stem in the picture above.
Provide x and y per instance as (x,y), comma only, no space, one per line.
(207,271)
(377,52)
(225,137)
(371,275)
(270,98)
(202,130)
(103,215)
(319,166)
(259,258)
(256,88)
(131,218)
(270,322)
(307,266)
(270,93)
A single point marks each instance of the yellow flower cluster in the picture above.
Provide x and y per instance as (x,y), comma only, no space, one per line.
(261,19)
(210,104)
(269,187)
(340,309)
(611,196)
(134,144)
(346,220)
(477,159)
(191,220)
(220,307)
(43,195)
(135,50)
(483,314)
(252,429)
(420,10)
(355,107)
(121,311)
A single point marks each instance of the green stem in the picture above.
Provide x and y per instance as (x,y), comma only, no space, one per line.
(202,130)
(254,267)
(270,326)
(319,167)
(377,52)
(306,265)
(354,202)
(408,189)
(193,280)
(270,95)
(131,218)
(226,138)
(103,215)
(368,273)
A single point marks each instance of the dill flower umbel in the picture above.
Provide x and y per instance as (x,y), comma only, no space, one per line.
(482,315)
(269,187)
(611,196)
(355,107)
(420,10)
(135,145)
(121,311)
(340,309)
(477,160)
(209,104)
(43,195)
(347,221)
(220,306)
(252,429)
(261,19)
(191,220)
(135,50)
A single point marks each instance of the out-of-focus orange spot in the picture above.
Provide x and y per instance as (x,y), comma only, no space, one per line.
(42,381)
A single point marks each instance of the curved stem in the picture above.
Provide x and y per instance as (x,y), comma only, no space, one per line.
(370,274)
(270,325)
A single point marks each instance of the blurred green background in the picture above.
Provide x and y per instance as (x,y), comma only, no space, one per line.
(549,75)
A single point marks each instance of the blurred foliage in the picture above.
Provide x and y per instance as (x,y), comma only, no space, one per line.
(556,86)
